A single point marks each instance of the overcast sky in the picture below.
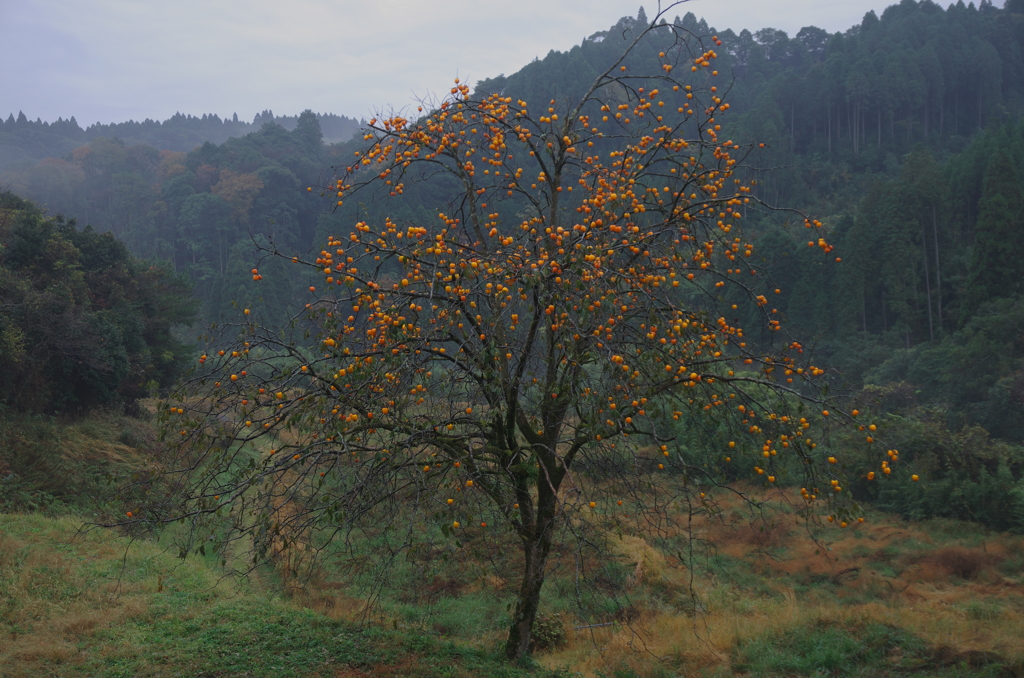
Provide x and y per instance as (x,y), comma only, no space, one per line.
(114,60)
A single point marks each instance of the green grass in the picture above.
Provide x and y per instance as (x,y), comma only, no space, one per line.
(830,649)
(258,637)
(77,604)
(85,604)
(987,609)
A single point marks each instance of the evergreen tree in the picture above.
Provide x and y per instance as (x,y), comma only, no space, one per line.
(996,268)
(307,131)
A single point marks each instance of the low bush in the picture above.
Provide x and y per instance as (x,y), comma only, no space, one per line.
(548,632)
(963,474)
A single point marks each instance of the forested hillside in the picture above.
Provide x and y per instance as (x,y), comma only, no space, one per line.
(900,134)
(83,323)
(834,106)
(26,141)
(197,211)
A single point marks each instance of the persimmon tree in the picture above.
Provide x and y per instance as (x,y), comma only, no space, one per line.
(522,360)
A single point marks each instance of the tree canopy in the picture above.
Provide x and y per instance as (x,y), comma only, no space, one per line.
(83,323)
(557,339)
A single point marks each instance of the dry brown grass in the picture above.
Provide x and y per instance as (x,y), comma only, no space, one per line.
(649,562)
(73,461)
(49,601)
(692,643)
(883,571)
(960,562)
(329,599)
(931,595)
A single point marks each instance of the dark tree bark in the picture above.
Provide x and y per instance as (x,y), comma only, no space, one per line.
(927,282)
(536,548)
(938,272)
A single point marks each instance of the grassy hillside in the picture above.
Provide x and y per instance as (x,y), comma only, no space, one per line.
(96,604)
(79,600)
(770,596)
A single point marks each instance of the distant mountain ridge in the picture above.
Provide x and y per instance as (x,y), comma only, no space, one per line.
(24,140)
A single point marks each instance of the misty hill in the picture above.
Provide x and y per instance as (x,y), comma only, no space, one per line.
(22,140)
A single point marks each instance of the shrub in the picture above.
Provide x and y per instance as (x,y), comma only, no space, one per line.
(964,474)
(548,632)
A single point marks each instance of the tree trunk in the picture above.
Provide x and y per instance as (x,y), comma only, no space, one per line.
(979,106)
(864,307)
(519,635)
(942,114)
(926,116)
(938,272)
(536,540)
(850,122)
(856,129)
(863,126)
(927,282)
